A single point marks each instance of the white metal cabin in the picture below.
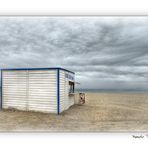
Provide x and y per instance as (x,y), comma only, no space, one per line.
(48,90)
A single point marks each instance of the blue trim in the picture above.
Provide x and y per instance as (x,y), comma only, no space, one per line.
(1,90)
(67,70)
(58,91)
(47,68)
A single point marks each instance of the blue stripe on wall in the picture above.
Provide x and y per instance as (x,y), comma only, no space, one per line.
(58,91)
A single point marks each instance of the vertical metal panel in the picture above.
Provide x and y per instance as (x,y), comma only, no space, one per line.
(65,100)
(70,98)
(58,91)
(1,89)
(66,94)
(14,89)
(42,91)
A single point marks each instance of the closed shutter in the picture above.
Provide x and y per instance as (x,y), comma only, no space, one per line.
(42,91)
(14,89)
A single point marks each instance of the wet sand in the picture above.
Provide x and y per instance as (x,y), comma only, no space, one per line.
(102,112)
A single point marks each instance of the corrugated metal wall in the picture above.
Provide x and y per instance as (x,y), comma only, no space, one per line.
(72,97)
(65,100)
(14,89)
(42,92)
(30,90)
(62,90)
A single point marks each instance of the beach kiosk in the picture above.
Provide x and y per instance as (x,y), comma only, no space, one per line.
(49,90)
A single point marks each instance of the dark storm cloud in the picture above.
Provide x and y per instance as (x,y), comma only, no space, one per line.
(105,52)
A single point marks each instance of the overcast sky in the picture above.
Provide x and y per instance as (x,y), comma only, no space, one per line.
(104,52)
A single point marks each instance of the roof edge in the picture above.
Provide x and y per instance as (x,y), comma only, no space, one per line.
(44,68)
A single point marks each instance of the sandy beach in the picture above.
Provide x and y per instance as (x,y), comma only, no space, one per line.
(102,112)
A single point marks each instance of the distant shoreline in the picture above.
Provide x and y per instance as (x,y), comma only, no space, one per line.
(110,91)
